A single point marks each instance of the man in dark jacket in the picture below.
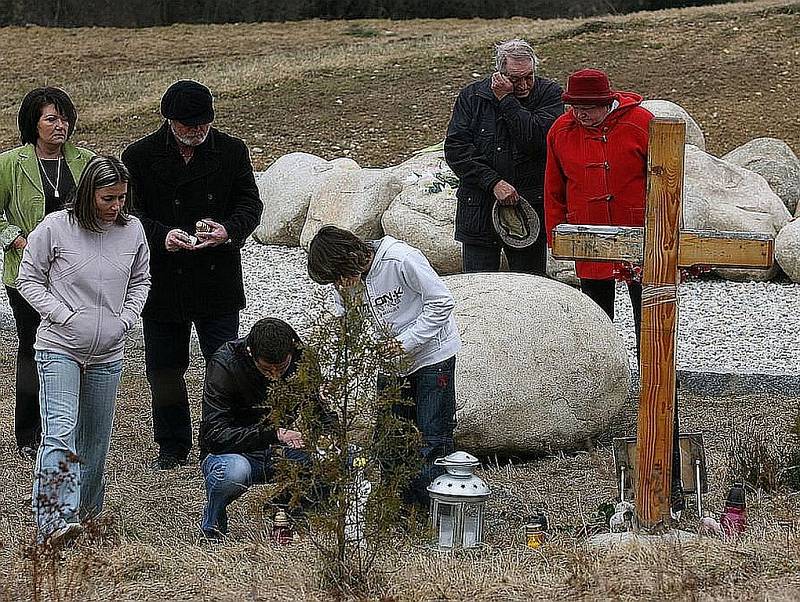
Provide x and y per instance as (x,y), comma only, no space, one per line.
(188,177)
(496,145)
(236,434)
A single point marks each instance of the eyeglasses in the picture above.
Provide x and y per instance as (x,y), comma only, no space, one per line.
(518,79)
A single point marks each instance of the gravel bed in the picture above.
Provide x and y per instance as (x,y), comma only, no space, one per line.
(724,327)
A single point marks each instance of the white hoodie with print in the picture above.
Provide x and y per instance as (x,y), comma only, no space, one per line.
(407,298)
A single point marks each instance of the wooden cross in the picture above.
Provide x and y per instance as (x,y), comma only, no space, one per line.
(662,247)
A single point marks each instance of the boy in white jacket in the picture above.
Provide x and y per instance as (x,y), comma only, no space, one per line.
(406,298)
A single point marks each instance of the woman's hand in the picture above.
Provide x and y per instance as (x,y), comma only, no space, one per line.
(19,243)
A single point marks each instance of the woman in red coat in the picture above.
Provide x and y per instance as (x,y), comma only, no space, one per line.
(596,173)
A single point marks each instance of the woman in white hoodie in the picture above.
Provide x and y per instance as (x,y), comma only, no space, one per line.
(85,271)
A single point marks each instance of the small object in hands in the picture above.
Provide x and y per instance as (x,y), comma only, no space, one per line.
(709,526)
(734,517)
(187,238)
(202,226)
(281,531)
(535,530)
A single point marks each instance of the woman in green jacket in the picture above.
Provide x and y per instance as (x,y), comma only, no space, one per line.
(35,178)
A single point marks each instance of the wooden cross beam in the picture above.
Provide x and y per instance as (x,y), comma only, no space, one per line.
(662,248)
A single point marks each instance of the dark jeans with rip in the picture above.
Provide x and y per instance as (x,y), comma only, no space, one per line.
(166,353)
(27,418)
(603,293)
(431,394)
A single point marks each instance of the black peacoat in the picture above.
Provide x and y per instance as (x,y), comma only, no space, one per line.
(218,183)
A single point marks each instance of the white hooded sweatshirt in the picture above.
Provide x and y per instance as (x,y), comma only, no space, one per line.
(407,298)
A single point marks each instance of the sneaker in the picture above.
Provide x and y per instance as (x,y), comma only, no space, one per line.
(63,535)
(27,453)
(168,462)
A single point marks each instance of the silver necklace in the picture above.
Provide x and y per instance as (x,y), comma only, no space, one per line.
(46,177)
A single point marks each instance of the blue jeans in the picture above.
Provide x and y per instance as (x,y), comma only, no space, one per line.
(166,357)
(77,406)
(433,393)
(228,476)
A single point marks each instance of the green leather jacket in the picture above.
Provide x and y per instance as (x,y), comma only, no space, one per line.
(22,198)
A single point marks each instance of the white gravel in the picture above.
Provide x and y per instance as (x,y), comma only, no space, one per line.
(724,327)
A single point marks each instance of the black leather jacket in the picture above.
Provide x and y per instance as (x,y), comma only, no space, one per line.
(236,405)
(490,140)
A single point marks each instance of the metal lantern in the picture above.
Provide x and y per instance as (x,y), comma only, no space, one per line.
(458,501)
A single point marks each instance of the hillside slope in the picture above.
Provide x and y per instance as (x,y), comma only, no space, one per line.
(377,90)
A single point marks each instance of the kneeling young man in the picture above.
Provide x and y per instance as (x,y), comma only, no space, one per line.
(236,435)
(407,298)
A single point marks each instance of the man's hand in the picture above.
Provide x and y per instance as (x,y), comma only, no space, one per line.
(501,85)
(217,235)
(19,243)
(347,282)
(505,193)
(177,239)
(293,439)
(392,348)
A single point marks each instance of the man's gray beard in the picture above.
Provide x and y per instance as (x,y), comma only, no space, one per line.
(188,141)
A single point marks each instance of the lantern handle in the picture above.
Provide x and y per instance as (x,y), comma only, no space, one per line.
(445,462)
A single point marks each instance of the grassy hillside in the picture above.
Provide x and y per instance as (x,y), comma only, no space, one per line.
(377,90)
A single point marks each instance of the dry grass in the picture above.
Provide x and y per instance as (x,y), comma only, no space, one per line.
(318,87)
(153,553)
(734,67)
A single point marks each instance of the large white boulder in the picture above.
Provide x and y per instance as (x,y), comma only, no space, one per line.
(787,249)
(776,162)
(285,189)
(562,270)
(423,213)
(666,108)
(352,198)
(541,368)
(718,195)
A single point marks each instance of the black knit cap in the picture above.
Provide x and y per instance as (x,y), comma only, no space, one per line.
(189,102)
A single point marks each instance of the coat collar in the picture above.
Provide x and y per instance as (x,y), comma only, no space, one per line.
(167,162)
(30,164)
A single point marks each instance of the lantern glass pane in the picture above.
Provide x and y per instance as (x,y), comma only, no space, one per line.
(446,526)
(472,525)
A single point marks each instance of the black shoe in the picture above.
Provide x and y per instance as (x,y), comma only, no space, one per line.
(27,453)
(168,462)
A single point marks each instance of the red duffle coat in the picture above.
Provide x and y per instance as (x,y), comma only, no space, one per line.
(598,175)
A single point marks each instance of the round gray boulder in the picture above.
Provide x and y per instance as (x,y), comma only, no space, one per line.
(286,188)
(775,161)
(718,195)
(542,367)
(352,198)
(666,108)
(787,249)
(423,213)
